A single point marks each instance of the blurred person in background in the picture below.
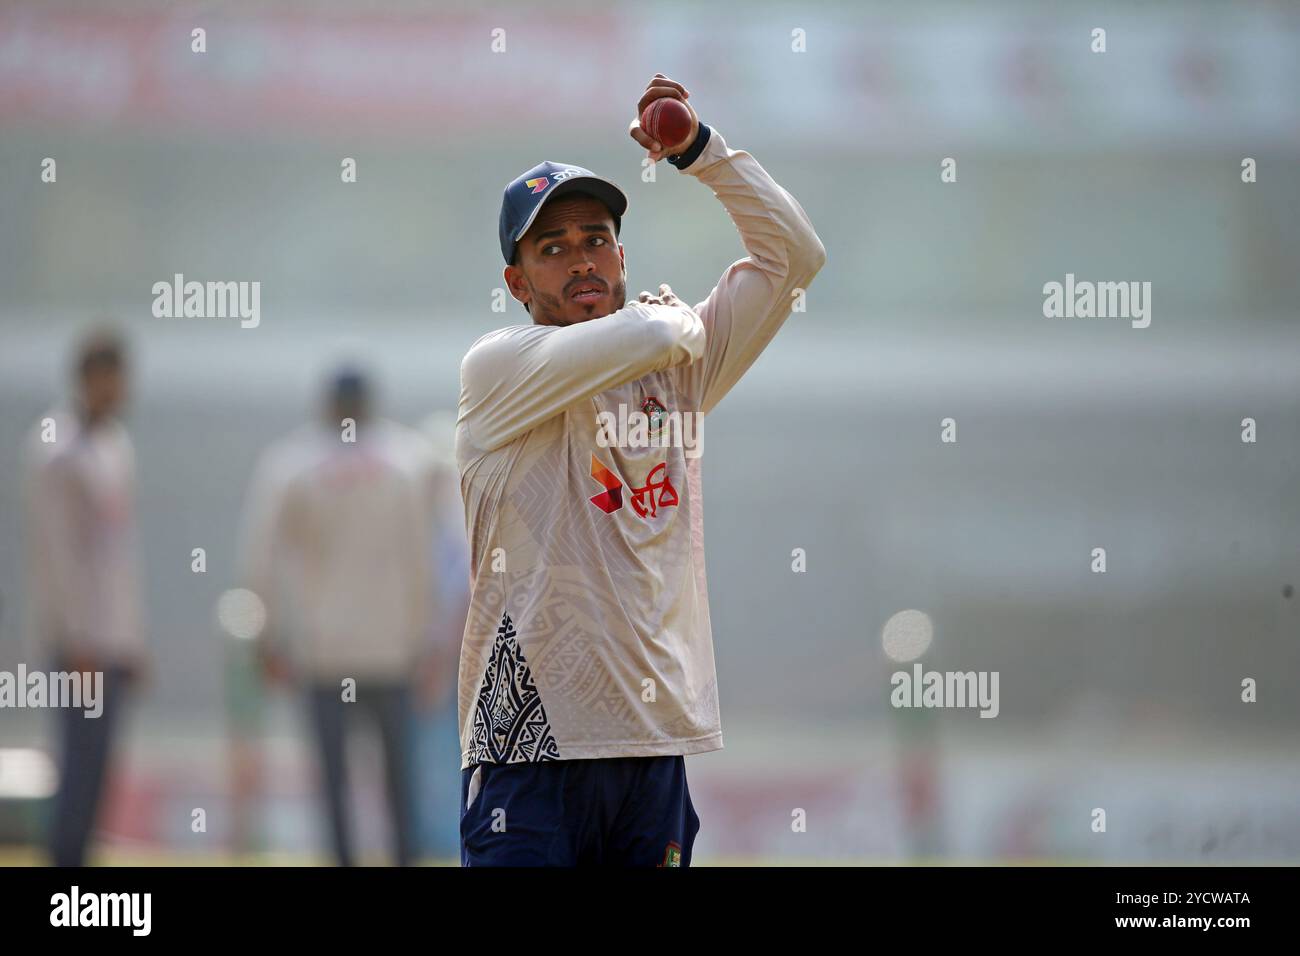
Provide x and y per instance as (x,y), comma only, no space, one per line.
(83,574)
(335,543)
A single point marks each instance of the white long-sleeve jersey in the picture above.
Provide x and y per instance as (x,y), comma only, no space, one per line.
(82,546)
(336,541)
(589,634)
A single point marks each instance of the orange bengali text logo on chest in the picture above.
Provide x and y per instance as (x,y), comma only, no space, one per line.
(658,492)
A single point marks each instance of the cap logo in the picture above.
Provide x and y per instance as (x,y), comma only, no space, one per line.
(564,174)
(537,185)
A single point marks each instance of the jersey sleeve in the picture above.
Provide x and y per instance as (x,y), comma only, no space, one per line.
(57,507)
(516,378)
(754,296)
(261,527)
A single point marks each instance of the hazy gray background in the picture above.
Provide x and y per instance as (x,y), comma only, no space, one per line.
(1119,690)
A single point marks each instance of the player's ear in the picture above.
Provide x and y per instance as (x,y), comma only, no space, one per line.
(516,283)
(621,257)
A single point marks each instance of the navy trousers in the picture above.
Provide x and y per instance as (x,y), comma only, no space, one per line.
(616,811)
(389,704)
(86,747)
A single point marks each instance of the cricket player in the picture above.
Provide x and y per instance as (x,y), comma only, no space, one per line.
(586,671)
(84,576)
(336,542)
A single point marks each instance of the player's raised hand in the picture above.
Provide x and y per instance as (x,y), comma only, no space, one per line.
(666,296)
(661,86)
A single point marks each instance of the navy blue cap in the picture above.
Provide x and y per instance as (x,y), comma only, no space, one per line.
(524,198)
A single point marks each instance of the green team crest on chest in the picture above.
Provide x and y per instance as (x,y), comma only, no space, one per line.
(650,425)
(655,413)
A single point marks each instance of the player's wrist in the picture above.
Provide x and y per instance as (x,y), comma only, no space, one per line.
(692,152)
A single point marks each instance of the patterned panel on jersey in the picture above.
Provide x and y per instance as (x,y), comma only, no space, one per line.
(510,724)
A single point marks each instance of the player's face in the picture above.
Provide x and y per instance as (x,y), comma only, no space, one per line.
(570,265)
(103,390)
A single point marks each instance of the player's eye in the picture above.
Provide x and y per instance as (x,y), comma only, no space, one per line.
(595,240)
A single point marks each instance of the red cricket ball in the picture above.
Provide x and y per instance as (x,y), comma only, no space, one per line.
(669,121)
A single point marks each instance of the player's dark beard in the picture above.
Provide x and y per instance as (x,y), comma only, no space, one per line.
(549,309)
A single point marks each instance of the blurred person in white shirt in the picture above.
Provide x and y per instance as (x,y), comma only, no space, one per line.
(336,544)
(83,574)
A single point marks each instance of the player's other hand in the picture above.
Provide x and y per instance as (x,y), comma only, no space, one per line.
(659,86)
(431,681)
(275,665)
(139,671)
(665,296)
